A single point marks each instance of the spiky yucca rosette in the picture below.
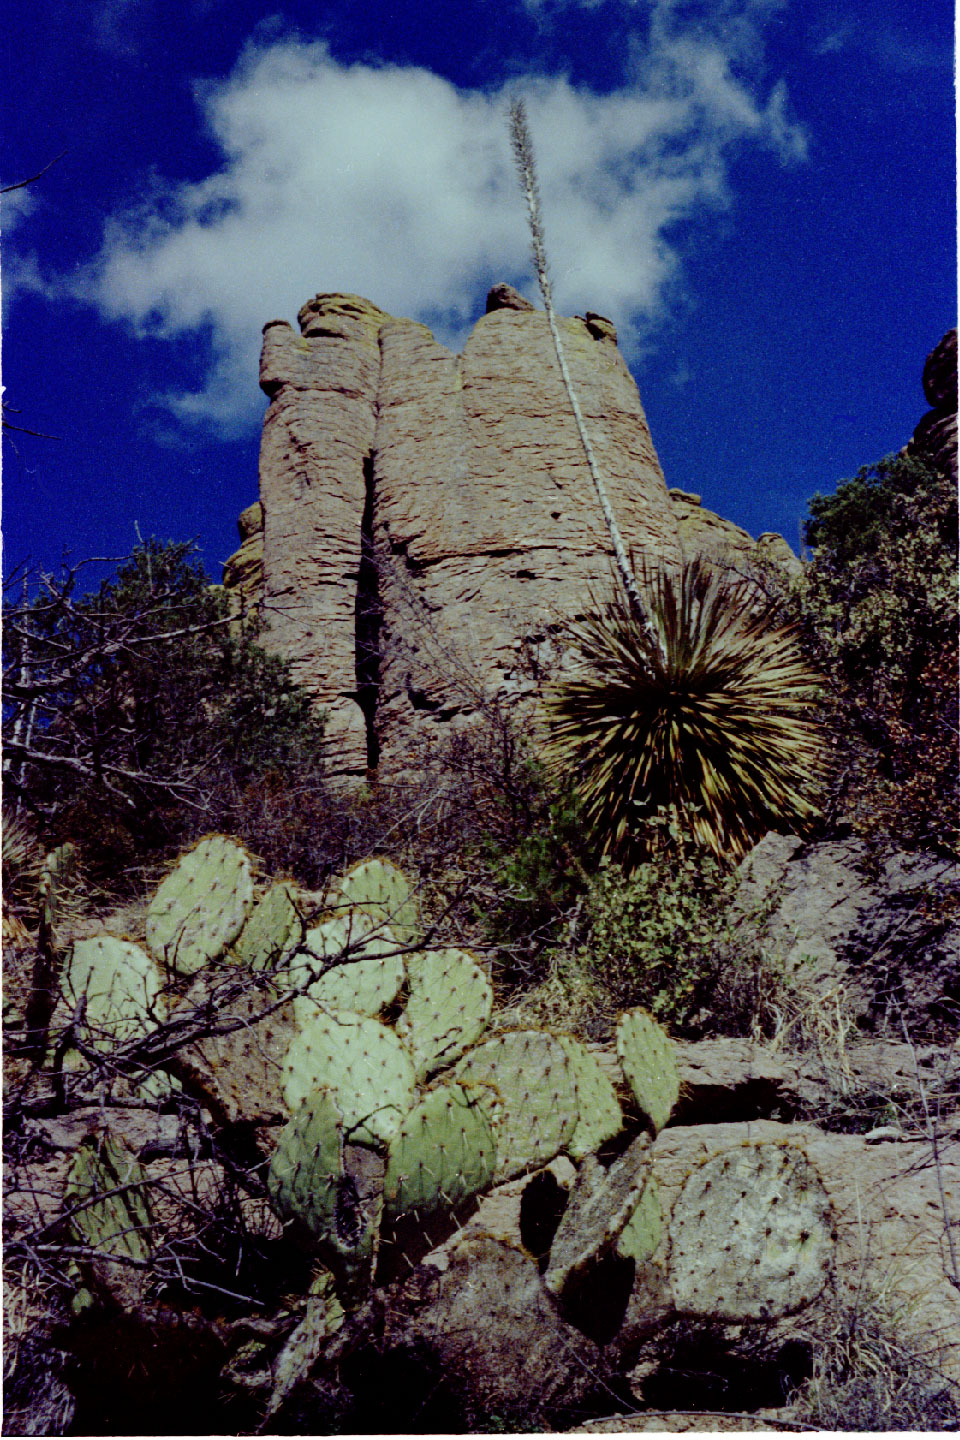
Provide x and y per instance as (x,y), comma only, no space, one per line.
(713,725)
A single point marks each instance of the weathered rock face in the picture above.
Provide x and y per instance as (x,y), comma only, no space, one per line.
(884,933)
(426,514)
(936,435)
(725,544)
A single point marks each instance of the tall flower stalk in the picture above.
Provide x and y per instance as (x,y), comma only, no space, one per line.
(526,168)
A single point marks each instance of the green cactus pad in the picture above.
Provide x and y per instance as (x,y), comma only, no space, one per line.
(202,905)
(443,1154)
(532,1099)
(643,1231)
(646,1054)
(121,983)
(750,1235)
(364,1066)
(272,932)
(382,889)
(600,1205)
(333,1189)
(119,1223)
(448,1008)
(599,1116)
(368,980)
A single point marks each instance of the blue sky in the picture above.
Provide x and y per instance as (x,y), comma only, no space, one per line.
(760,193)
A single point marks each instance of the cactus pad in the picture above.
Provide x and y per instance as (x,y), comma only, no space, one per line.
(601,1203)
(371,975)
(599,1116)
(443,1154)
(272,931)
(323,1317)
(646,1054)
(448,1008)
(315,1178)
(121,983)
(532,1098)
(119,1223)
(366,1068)
(382,889)
(750,1235)
(201,906)
(643,1231)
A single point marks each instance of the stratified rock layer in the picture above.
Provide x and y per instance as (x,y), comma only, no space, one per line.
(427,516)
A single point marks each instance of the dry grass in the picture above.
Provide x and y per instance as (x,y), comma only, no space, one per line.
(874,1370)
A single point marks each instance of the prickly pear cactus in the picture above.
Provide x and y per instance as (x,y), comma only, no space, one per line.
(313,1179)
(367,1070)
(647,1058)
(599,1116)
(272,931)
(105,1188)
(121,984)
(381,888)
(443,1155)
(643,1232)
(368,980)
(601,1203)
(532,1097)
(202,905)
(448,1008)
(750,1235)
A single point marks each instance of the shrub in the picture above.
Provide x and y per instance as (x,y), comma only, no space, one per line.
(664,936)
(880,601)
(136,713)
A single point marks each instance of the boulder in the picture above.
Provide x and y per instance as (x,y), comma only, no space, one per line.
(882,931)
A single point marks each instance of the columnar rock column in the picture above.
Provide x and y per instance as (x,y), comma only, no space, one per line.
(428,517)
(315,468)
(488,528)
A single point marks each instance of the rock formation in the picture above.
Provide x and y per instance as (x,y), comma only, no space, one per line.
(426,520)
(936,435)
(724,543)
(424,514)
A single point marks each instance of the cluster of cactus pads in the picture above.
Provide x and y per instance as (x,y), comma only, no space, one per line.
(402,1106)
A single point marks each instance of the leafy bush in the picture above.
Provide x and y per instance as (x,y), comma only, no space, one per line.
(707,716)
(880,601)
(536,883)
(135,714)
(664,936)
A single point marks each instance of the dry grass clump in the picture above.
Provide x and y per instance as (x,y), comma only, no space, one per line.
(873,1371)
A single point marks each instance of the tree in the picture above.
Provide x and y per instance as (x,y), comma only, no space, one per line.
(880,599)
(143,703)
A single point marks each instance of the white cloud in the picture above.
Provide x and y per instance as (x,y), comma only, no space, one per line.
(392,183)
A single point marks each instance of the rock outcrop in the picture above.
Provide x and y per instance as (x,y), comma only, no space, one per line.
(936,436)
(426,514)
(881,933)
(727,545)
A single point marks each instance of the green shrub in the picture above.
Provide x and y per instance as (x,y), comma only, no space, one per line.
(536,884)
(880,602)
(664,936)
(136,713)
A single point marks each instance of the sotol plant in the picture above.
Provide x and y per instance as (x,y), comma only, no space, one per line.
(713,727)
(690,697)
